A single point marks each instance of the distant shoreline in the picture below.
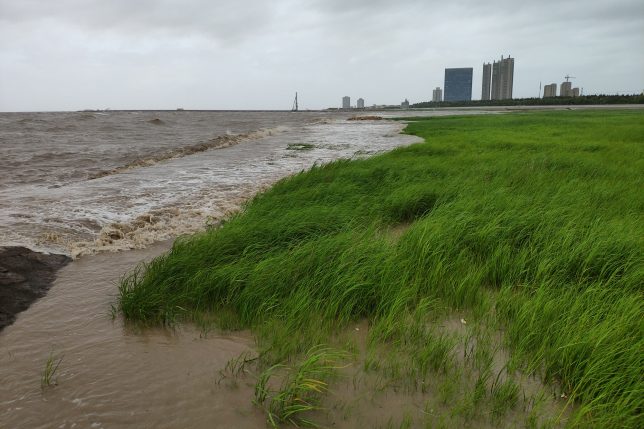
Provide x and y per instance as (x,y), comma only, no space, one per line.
(339,110)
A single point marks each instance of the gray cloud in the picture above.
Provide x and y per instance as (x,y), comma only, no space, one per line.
(72,54)
(220,20)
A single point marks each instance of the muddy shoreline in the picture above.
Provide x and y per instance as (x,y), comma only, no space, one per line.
(114,374)
(25,276)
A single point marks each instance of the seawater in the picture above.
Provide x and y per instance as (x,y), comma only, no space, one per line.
(81,182)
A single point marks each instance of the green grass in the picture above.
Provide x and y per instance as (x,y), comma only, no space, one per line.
(532,220)
(48,375)
(300,389)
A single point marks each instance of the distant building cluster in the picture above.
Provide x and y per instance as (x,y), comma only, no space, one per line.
(346,104)
(565,89)
(498,82)
(550,90)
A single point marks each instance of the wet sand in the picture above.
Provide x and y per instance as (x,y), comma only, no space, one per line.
(112,375)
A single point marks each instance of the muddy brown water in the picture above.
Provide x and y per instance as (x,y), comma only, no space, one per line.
(110,375)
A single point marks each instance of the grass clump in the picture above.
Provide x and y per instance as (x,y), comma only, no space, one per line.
(533,220)
(48,375)
(505,396)
(301,388)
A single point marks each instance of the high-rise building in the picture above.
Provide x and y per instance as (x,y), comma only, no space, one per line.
(346,102)
(495,90)
(487,76)
(565,90)
(437,94)
(575,92)
(550,90)
(458,84)
(502,79)
(507,78)
(404,104)
(360,104)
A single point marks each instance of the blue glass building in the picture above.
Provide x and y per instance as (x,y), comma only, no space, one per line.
(458,84)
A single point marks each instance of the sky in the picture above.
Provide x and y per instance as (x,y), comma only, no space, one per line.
(255,54)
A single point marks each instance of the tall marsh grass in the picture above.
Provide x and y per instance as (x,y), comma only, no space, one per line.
(540,211)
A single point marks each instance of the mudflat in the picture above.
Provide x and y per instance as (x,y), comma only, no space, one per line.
(25,276)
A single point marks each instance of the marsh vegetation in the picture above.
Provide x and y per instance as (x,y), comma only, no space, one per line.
(491,276)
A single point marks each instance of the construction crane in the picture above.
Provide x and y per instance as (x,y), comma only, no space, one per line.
(569,77)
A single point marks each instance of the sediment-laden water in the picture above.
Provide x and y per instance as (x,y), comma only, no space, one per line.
(110,375)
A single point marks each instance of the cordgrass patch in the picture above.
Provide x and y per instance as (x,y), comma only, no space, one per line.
(530,223)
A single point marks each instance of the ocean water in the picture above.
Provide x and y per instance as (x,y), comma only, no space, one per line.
(82,182)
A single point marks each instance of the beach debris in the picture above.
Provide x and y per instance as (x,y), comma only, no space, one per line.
(300,146)
(365,118)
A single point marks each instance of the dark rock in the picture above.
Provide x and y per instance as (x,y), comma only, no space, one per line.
(25,276)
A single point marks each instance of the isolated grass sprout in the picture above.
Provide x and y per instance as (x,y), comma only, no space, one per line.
(48,374)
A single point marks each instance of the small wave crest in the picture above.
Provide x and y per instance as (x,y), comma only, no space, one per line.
(146,229)
(61,128)
(31,121)
(154,226)
(218,142)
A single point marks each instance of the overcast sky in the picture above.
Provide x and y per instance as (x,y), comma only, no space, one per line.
(254,54)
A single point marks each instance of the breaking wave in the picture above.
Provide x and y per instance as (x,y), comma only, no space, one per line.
(218,142)
(161,224)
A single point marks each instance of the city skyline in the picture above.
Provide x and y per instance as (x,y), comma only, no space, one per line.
(255,55)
